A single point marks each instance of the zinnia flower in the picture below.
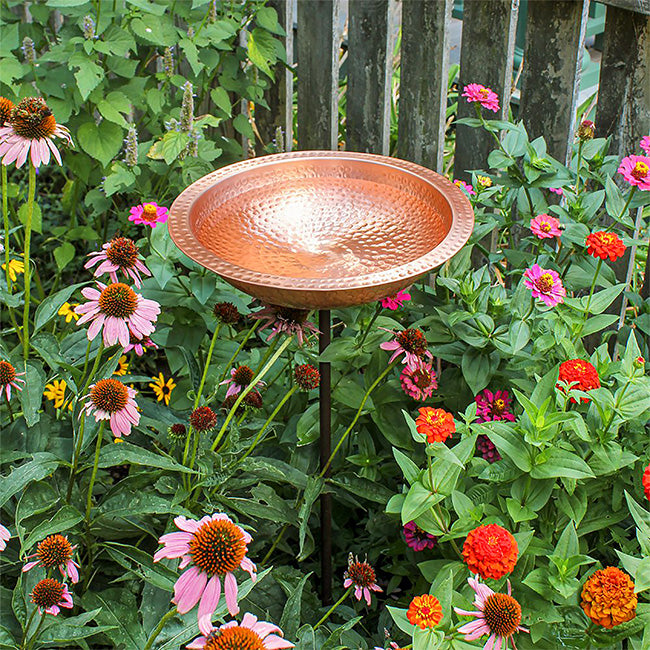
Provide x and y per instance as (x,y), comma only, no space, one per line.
(396,300)
(227,313)
(251,634)
(424,611)
(466,187)
(635,170)
(30,132)
(418,382)
(418,539)
(162,388)
(9,378)
(149,214)
(306,376)
(645,481)
(67,311)
(545,227)
(50,595)
(110,399)
(117,310)
(579,375)
(491,551)
(409,342)
(605,245)
(5,535)
(436,424)
(608,597)
(240,378)
(55,551)
(484,96)
(497,615)
(362,576)
(486,449)
(119,254)
(214,547)
(645,144)
(494,406)
(55,392)
(545,284)
(285,320)
(16,267)
(138,344)
(203,419)
(556,190)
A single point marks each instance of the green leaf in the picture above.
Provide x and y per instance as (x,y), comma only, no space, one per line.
(63,519)
(37,219)
(312,491)
(102,142)
(88,77)
(399,616)
(568,545)
(151,572)
(42,464)
(220,97)
(73,628)
(556,462)
(64,254)
(262,50)
(291,613)
(51,305)
(125,452)
(614,201)
(603,299)
(243,126)
(477,369)
(410,470)
(509,443)
(418,500)
(173,143)
(31,397)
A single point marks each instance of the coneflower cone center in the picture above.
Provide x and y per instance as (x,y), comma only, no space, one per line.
(413,341)
(6,107)
(118,300)
(109,395)
(361,574)
(7,373)
(53,551)
(123,252)
(149,212)
(32,119)
(243,376)
(218,547)
(502,614)
(234,638)
(47,592)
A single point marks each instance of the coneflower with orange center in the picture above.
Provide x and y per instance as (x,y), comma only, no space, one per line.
(362,577)
(50,595)
(55,551)
(9,378)
(110,399)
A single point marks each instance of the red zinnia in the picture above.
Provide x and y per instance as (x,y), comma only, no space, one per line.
(645,480)
(582,372)
(605,245)
(436,424)
(491,551)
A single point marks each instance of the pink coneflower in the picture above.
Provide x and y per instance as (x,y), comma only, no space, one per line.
(557,190)
(139,345)
(545,284)
(55,551)
(636,171)
(494,406)
(119,311)
(29,132)
(545,227)
(417,538)
(240,378)
(418,381)
(645,144)
(466,187)
(9,378)
(484,96)
(362,576)
(251,634)
(409,342)
(5,536)
(118,254)
(395,301)
(497,615)
(50,595)
(285,320)
(149,214)
(110,399)
(215,547)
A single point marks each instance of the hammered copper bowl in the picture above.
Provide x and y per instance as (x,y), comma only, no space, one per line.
(321,229)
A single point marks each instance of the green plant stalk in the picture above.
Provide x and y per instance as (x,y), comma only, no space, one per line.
(158,629)
(207,364)
(372,387)
(283,530)
(330,611)
(591,293)
(378,310)
(625,207)
(98,447)
(29,622)
(578,166)
(267,354)
(616,405)
(248,389)
(5,220)
(238,350)
(28,273)
(34,638)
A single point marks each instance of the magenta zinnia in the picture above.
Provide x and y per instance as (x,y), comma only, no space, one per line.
(419,381)
(361,576)
(395,301)
(110,399)
(148,214)
(119,254)
(494,406)
(545,227)
(214,547)
(466,187)
(119,311)
(636,171)
(55,551)
(645,144)
(417,538)
(484,96)
(545,284)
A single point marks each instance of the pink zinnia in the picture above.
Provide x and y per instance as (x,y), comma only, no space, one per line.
(494,406)
(557,190)
(5,536)
(110,399)
(409,342)
(645,144)
(484,96)
(118,254)
(55,551)
(497,615)
(118,310)
(545,226)
(466,187)
(29,132)
(395,301)
(418,539)
(285,320)
(149,214)
(50,595)
(361,576)
(240,378)
(215,547)
(545,284)
(9,379)
(636,171)
(251,633)
(418,381)
(139,345)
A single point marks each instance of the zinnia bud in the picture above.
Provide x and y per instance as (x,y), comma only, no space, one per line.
(586,130)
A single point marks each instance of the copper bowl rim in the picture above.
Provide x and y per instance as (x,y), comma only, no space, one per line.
(181,232)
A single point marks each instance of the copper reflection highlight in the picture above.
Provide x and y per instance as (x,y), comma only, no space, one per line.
(321,229)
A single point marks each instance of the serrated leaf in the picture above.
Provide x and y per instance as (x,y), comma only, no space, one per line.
(102,142)
(64,254)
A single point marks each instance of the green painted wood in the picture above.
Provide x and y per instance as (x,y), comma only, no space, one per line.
(423,81)
(486,56)
(555,34)
(318,60)
(638,6)
(369,76)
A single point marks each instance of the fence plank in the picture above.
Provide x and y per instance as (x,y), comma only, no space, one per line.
(423,81)
(369,76)
(318,60)
(623,109)
(640,6)
(486,57)
(555,36)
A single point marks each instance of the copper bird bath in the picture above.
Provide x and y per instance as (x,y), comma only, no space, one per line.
(321,230)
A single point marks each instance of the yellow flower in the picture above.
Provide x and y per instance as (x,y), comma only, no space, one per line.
(67,310)
(118,440)
(163,389)
(55,392)
(122,366)
(484,181)
(15,268)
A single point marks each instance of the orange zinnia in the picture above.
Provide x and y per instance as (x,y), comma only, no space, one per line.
(491,551)
(424,611)
(436,424)
(605,245)
(608,597)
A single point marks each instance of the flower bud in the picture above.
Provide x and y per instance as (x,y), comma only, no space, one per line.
(586,130)
(187,107)
(131,147)
(88,26)
(29,51)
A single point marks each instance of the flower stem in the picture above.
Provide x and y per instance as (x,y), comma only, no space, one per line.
(98,446)
(158,629)
(207,364)
(591,293)
(29,620)
(283,530)
(32,641)
(333,607)
(378,311)
(578,166)
(625,207)
(238,350)
(28,272)
(267,354)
